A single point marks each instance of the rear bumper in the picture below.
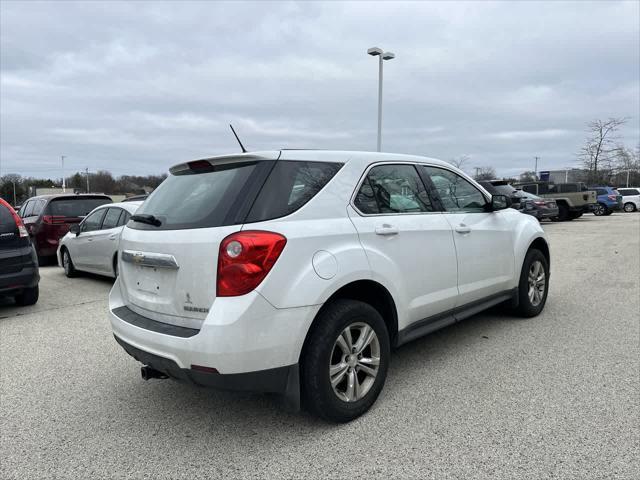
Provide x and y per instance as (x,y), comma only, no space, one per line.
(240,335)
(19,276)
(274,380)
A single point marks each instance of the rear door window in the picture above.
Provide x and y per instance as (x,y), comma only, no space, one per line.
(111,218)
(626,192)
(289,186)
(393,189)
(38,207)
(601,191)
(93,221)
(568,187)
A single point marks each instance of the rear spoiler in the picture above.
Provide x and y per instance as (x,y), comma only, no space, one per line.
(224,159)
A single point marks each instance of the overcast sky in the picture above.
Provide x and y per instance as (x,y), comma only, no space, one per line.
(137,87)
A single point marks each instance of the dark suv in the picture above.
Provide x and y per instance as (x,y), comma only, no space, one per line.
(19,275)
(48,217)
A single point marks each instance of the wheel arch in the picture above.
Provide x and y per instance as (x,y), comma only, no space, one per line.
(369,292)
(541,244)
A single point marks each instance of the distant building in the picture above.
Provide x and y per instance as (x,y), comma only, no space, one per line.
(568,175)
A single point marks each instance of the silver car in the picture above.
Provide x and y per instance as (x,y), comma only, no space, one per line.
(92,245)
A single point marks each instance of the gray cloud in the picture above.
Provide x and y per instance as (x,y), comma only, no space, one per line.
(137,87)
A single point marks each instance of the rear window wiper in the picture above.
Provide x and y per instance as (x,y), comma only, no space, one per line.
(148,219)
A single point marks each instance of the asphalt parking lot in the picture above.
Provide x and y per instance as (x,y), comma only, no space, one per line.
(557,396)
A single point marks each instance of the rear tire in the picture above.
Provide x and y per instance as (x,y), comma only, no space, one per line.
(69,269)
(563,213)
(599,209)
(338,386)
(629,207)
(608,212)
(29,296)
(534,284)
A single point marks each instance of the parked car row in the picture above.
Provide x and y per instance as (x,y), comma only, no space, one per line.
(297,272)
(566,201)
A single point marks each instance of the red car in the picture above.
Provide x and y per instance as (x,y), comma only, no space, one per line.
(48,217)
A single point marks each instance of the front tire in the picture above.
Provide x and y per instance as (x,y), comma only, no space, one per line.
(29,296)
(534,284)
(345,361)
(629,207)
(69,269)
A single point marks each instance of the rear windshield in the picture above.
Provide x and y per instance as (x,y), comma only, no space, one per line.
(234,193)
(75,207)
(5,217)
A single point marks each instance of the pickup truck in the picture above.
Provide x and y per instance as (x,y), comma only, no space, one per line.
(573,199)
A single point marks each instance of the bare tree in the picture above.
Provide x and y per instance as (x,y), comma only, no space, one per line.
(528,176)
(599,150)
(459,162)
(627,166)
(485,173)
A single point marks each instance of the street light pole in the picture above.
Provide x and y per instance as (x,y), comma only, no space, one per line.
(377,52)
(64,186)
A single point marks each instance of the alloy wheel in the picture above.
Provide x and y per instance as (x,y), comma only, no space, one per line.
(66,262)
(629,207)
(354,362)
(537,283)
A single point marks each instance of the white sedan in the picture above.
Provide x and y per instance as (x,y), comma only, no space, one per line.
(92,245)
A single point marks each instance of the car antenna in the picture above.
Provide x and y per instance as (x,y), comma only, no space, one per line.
(244,150)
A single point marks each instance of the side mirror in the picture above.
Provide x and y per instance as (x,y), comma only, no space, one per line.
(75,228)
(499,202)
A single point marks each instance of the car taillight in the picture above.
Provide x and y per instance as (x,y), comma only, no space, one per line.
(53,219)
(612,197)
(539,202)
(22,231)
(244,259)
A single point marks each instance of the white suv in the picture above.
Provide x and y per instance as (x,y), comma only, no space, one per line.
(298,271)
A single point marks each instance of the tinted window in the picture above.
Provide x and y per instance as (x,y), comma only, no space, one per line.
(530,189)
(290,185)
(601,191)
(5,217)
(628,191)
(568,187)
(74,207)
(38,207)
(393,189)
(124,218)
(456,193)
(93,221)
(208,197)
(111,218)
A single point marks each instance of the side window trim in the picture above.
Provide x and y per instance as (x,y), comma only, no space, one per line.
(429,187)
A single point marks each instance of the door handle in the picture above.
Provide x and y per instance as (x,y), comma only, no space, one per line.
(113,236)
(387,229)
(462,228)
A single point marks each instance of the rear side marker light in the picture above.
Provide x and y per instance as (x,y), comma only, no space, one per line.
(201,368)
(244,260)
